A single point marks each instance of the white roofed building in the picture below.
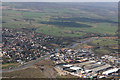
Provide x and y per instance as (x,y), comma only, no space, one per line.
(110,71)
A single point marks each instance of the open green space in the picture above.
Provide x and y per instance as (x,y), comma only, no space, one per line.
(106,42)
(104,45)
(61,20)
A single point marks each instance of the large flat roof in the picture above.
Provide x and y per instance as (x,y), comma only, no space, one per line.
(85,63)
(101,68)
(75,68)
(67,65)
(110,71)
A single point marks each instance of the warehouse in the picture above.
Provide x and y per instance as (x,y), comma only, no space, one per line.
(101,68)
(108,72)
(63,67)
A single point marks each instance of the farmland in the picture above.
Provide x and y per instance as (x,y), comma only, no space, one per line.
(67,22)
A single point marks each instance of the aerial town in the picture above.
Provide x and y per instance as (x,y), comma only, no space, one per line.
(20,47)
(85,64)
(60,40)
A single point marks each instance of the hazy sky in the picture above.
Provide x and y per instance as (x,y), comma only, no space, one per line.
(60,0)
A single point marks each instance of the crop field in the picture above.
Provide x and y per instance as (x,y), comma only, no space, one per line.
(59,21)
(15,19)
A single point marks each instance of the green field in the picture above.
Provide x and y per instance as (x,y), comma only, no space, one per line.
(105,42)
(70,22)
(104,45)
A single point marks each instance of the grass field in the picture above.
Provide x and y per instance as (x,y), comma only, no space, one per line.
(8,65)
(106,45)
(19,19)
(25,73)
(105,42)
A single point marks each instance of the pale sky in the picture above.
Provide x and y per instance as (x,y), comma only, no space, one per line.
(60,0)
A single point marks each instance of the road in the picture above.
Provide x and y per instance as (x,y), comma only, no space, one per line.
(26,65)
(91,39)
(42,58)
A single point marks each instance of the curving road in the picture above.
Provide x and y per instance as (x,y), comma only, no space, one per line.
(42,58)
(26,65)
(91,39)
